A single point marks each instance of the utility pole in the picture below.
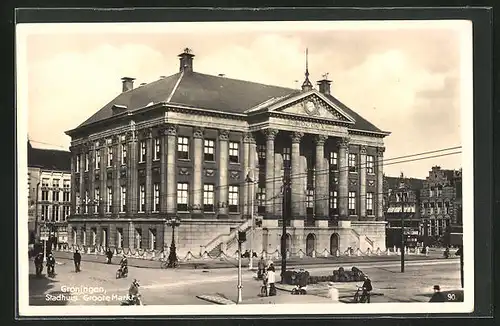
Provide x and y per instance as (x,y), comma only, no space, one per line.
(241,238)
(286,189)
(252,217)
(403,196)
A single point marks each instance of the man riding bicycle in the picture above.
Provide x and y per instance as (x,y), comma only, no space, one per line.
(124,264)
(133,291)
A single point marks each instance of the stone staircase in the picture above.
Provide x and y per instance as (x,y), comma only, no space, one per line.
(226,242)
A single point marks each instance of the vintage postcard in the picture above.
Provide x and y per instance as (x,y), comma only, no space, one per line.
(240,168)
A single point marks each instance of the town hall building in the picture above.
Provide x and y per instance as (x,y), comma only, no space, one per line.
(211,151)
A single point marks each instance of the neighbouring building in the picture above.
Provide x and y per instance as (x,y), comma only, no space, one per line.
(394,189)
(183,146)
(441,202)
(49,193)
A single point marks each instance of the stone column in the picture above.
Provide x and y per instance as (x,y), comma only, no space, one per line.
(198,171)
(252,166)
(132,172)
(92,181)
(117,154)
(171,132)
(223,171)
(82,177)
(163,171)
(247,172)
(380,183)
(295,177)
(362,182)
(73,185)
(103,192)
(148,133)
(270,136)
(321,190)
(343,179)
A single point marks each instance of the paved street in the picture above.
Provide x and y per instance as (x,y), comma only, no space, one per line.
(170,287)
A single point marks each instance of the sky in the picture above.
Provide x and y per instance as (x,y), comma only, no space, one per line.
(408,81)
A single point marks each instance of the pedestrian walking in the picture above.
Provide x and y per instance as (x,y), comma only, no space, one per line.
(39,264)
(109,256)
(271,279)
(77,258)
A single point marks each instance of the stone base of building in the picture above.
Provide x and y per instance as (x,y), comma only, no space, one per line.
(213,238)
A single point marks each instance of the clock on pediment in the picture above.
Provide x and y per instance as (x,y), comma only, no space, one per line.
(311,107)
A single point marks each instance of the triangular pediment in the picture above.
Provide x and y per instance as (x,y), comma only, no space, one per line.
(313,105)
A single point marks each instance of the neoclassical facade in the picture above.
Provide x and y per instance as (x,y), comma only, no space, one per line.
(211,151)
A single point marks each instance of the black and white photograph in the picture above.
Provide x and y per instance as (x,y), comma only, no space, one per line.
(243,168)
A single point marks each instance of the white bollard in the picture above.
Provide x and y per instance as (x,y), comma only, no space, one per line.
(337,253)
(325,254)
(333,294)
(313,254)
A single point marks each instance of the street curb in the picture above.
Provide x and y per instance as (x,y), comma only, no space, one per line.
(216,299)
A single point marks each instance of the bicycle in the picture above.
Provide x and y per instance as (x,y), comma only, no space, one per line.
(166,264)
(361,296)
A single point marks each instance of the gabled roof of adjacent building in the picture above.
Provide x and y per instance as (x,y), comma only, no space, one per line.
(192,89)
(413,183)
(49,159)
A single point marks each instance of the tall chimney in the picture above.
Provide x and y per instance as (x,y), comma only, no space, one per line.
(128,84)
(324,86)
(186,60)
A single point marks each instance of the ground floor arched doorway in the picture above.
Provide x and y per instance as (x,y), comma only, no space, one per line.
(334,243)
(310,244)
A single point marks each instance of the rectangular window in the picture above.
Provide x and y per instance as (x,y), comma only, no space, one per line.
(156,205)
(233,199)
(157,152)
(209,150)
(142,198)
(66,195)
(142,156)
(109,207)
(55,213)
(310,201)
(55,195)
(234,152)
(123,199)
(352,162)
(110,156)
(96,200)
(45,195)
(45,213)
(352,203)
(261,153)
(66,210)
(45,182)
(138,238)
(369,203)
(182,197)
(86,202)
(152,239)
(87,162)
(334,161)
(287,154)
(55,183)
(208,198)
(124,154)
(370,164)
(334,202)
(77,163)
(66,184)
(261,200)
(182,148)
(97,159)
(119,237)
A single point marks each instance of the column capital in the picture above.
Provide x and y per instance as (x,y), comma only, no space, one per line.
(146,133)
(270,133)
(223,134)
(248,138)
(198,132)
(380,151)
(297,136)
(344,142)
(170,130)
(362,150)
(115,139)
(320,139)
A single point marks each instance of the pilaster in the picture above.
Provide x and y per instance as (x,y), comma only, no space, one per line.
(148,137)
(362,182)
(171,132)
(295,177)
(223,172)
(321,191)
(198,170)
(270,137)
(380,183)
(132,172)
(343,178)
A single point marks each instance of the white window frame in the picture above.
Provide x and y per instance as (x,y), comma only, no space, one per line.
(110,156)
(183,147)
(55,213)
(209,149)
(157,151)
(77,163)
(261,197)
(370,164)
(55,195)
(66,196)
(142,199)
(334,160)
(234,152)
(208,197)
(97,197)
(369,203)
(124,154)
(123,199)
(142,154)
(233,199)
(109,206)
(183,195)
(261,152)
(352,203)
(45,213)
(334,197)
(97,159)
(310,198)
(156,193)
(352,159)
(87,162)
(287,154)
(86,203)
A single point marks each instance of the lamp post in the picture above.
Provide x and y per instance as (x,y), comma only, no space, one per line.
(403,195)
(172,256)
(250,182)
(285,190)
